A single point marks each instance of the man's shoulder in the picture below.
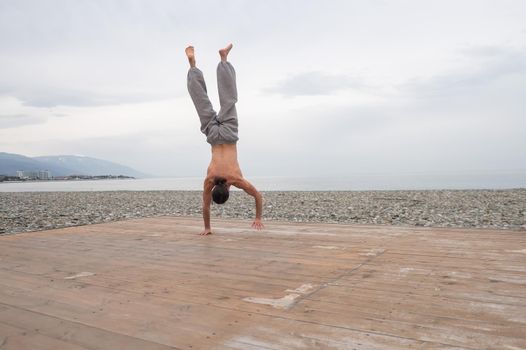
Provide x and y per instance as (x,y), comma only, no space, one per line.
(209,181)
(236,176)
(240,182)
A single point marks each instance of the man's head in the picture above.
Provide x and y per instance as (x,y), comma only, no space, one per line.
(220,192)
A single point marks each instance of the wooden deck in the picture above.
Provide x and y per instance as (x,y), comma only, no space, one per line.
(155,284)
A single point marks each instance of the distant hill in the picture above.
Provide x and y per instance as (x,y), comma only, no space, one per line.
(10,163)
(63,165)
(89,166)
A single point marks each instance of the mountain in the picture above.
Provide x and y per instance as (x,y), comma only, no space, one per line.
(63,165)
(89,166)
(10,163)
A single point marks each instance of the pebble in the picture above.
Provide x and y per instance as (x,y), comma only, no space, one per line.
(496,209)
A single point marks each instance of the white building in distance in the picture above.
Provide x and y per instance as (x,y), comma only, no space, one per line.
(34,175)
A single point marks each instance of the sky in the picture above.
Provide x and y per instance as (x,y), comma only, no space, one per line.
(326,88)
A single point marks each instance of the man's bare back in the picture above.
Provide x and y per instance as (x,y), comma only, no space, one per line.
(224,163)
(224,170)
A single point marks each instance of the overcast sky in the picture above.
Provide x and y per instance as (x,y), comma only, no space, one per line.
(325,87)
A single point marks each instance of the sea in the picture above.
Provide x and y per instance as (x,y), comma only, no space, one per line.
(353,182)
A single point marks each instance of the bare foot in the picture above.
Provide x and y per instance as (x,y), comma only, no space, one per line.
(205,232)
(191,56)
(224,52)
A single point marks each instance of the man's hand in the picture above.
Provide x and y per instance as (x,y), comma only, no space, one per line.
(258,225)
(206,232)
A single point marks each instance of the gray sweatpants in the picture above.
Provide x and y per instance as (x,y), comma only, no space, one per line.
(219,128)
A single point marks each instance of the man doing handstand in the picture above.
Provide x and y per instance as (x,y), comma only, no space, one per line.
(221,132)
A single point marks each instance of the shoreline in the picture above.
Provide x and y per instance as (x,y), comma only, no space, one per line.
(493,209)
(268,183)
(452,189)
(64,180)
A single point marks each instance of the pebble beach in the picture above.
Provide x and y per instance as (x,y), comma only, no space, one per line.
(496,209)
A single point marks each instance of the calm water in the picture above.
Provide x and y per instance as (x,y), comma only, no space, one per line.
(344,183)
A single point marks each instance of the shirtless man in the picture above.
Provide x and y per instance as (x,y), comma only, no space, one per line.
(221,132)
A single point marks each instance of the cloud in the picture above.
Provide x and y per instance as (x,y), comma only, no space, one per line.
(17,120)
(484,51)
(88,53)
(485,66)
(70,80)
(47,97)
(172,152)
(14,114)
(315,83)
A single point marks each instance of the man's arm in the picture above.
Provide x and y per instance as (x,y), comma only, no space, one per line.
(251,190)
(207,198)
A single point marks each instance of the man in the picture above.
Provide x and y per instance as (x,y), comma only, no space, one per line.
(221,132)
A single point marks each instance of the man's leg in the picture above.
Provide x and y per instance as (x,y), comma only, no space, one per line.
(226,83)
(198,93)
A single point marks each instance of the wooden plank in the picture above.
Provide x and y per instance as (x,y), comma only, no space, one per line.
(13,338)
(63,334)
(352,286)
